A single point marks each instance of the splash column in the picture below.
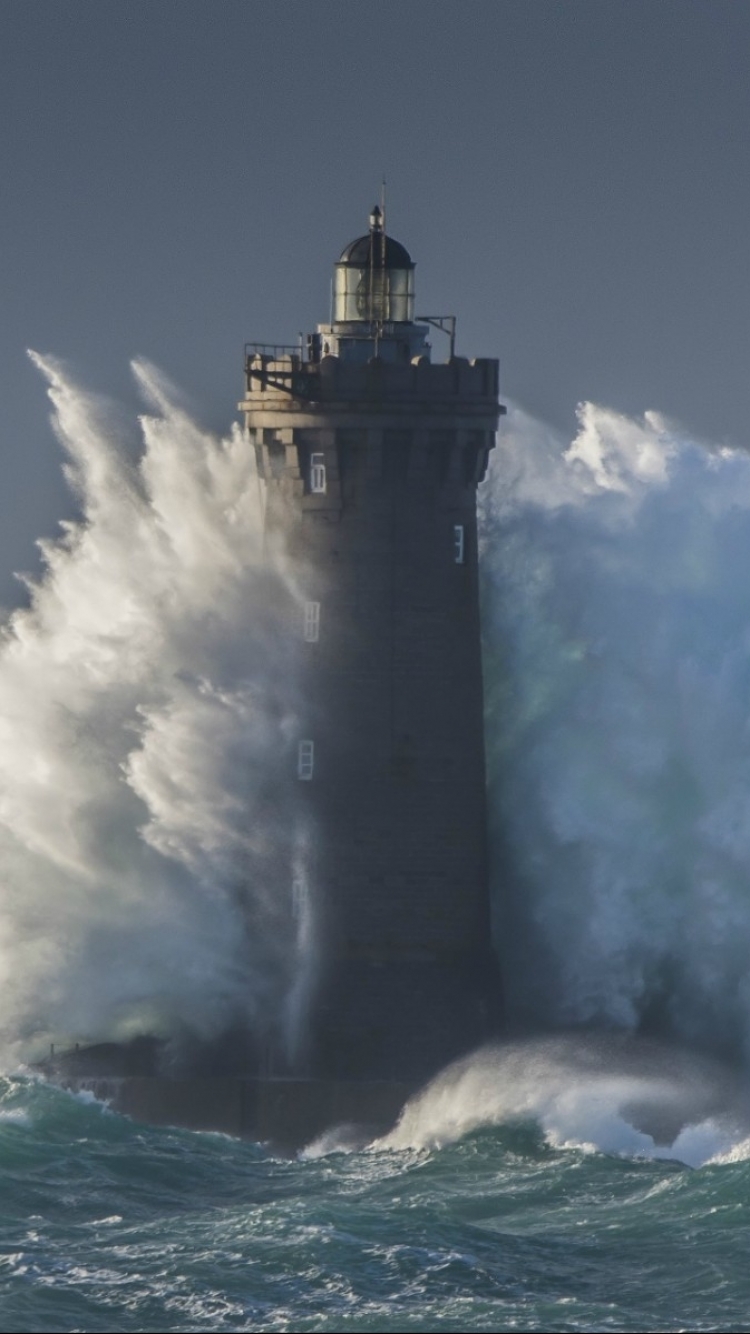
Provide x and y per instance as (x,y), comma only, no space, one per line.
(370,455)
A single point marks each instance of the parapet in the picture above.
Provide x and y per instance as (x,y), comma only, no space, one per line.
(457,383)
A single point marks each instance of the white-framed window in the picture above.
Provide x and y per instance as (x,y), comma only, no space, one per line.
(299,897)
(312,622)
(459,549)
(305,760)
(318,473)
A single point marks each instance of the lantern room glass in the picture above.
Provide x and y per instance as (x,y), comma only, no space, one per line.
(373,294)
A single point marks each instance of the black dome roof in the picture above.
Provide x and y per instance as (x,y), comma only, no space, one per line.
(357,254)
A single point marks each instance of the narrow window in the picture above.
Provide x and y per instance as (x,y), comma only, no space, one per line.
(299,897)
(317,473)
(305,760)
(458,543)
(312,622)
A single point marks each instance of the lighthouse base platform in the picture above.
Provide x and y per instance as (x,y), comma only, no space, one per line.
(286,1112)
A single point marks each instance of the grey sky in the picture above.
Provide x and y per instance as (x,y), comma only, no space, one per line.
(180,175)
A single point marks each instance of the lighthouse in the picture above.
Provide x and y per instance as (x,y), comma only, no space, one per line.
(370,454)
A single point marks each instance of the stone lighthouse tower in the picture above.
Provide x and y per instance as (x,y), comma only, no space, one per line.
(370,455)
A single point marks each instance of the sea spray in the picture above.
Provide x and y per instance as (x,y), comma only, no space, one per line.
(149,837)
(617,675)
(147,709)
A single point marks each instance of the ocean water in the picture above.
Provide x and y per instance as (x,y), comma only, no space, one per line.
(588,1179)
(511,1225)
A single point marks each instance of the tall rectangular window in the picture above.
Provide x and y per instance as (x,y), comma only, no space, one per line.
(458,543)
(312,622)
(299,897)
(318,473)
(305,760)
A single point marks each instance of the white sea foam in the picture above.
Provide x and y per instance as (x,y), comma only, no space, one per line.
(345,1138)
(15,1116)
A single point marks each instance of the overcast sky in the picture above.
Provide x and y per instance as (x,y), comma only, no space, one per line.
(178,176)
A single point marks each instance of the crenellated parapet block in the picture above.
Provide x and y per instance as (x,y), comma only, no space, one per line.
(291,384)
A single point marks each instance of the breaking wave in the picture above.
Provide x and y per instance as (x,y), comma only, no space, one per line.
(605,1093)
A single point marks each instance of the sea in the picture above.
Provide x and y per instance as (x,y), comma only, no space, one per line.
(556,1215)
(591,1171)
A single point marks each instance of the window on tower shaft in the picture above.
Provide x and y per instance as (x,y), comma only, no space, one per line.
(305,760)
(317,474)
(299,897)
(459,551)
(312,622)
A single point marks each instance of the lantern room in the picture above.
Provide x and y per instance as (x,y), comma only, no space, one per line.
(374,280)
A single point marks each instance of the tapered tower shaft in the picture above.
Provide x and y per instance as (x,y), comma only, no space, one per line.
(370,456)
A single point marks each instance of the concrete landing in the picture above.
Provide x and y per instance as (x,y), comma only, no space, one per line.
(287,1113)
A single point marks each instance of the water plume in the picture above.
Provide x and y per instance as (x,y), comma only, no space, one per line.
(147,709)
(617,636)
